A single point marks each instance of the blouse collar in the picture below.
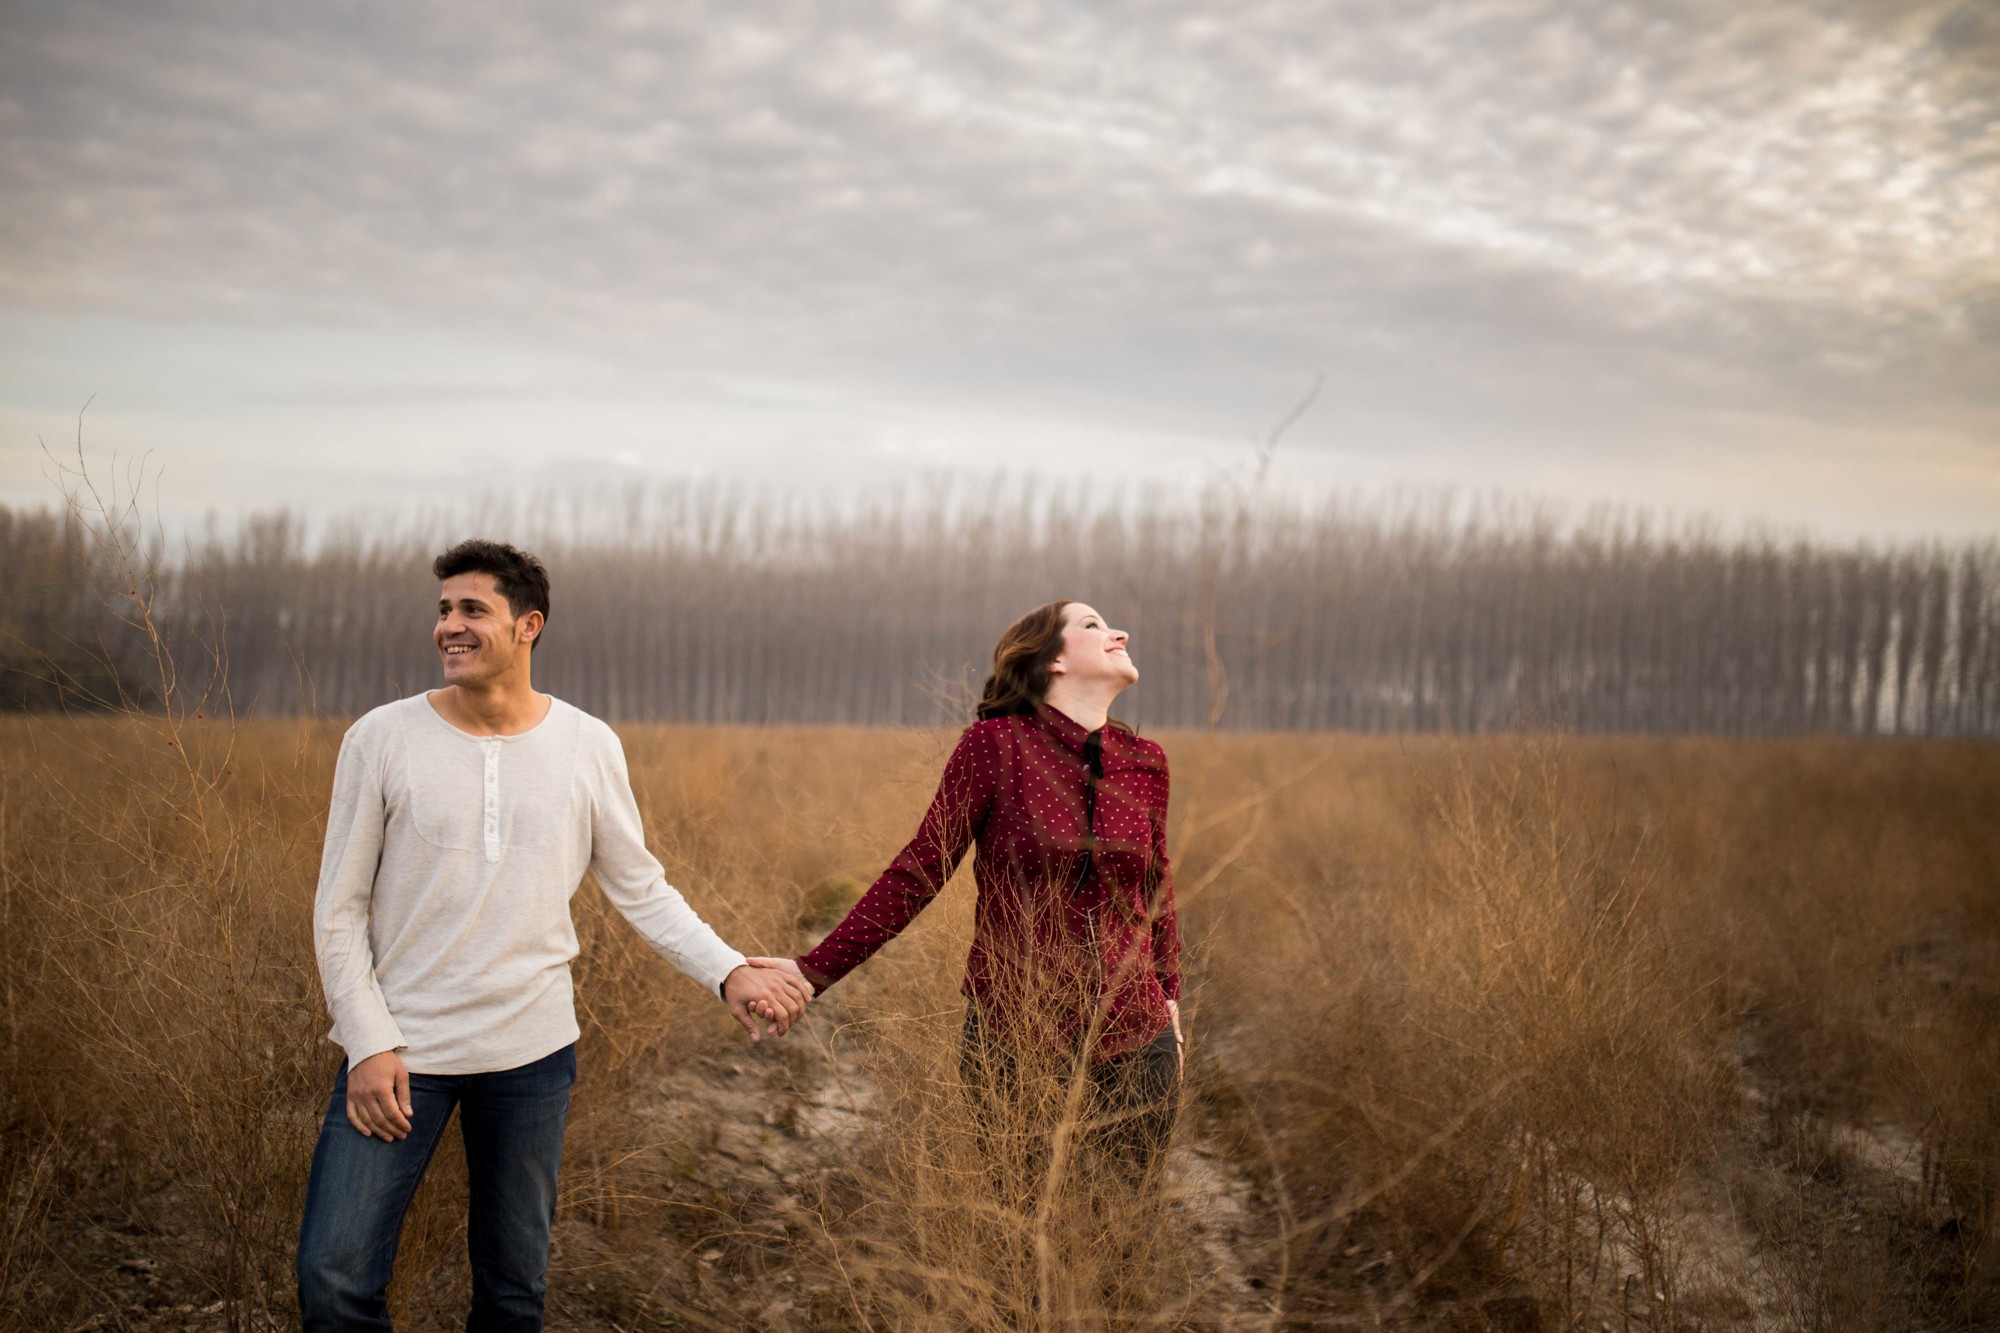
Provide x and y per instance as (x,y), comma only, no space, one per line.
(1066,728)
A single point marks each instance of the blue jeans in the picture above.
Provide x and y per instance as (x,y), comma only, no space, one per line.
(512,1123)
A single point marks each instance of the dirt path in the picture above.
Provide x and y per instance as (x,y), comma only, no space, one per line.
(774,1128)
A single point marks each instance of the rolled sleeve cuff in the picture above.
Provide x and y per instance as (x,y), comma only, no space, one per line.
(363,1036)
(714,970)
(822,971)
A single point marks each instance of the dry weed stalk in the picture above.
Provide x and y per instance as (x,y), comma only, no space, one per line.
(1470,1004)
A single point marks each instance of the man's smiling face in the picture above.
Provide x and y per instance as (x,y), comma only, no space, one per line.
(477,636)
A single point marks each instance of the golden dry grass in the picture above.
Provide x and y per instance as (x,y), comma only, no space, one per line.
(1499,1033)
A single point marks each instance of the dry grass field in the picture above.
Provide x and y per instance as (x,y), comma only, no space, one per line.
(1520,1034)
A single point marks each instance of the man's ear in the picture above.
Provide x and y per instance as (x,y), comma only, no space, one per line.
(530,627)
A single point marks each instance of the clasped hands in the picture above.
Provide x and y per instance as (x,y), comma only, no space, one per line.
(770,989)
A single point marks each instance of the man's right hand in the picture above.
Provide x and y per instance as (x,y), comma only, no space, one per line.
(767,988)
(378,1097)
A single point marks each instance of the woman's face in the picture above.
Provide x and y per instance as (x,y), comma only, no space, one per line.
(1092,652)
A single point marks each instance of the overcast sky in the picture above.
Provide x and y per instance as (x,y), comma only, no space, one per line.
(1736,257)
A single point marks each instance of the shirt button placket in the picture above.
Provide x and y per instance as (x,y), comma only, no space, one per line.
(492,803)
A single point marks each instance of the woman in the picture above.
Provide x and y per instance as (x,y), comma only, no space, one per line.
(1075,949)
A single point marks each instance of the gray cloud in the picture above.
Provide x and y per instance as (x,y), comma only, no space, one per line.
(1582,222)
(365,396)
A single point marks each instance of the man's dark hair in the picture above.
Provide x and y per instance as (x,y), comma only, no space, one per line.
(520,577)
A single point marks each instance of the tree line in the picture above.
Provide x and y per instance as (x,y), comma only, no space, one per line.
(1247,610)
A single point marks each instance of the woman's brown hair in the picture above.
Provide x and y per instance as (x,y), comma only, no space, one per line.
(1020,679)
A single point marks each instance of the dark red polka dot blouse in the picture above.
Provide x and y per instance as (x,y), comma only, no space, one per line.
(1074,932)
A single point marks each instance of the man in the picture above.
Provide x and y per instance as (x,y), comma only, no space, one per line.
(462,821)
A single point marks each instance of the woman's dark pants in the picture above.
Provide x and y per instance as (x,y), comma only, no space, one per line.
(1133,1098)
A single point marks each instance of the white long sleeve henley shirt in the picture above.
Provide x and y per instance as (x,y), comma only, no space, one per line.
(442,920)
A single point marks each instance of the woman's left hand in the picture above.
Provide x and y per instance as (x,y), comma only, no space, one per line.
(1180,1042)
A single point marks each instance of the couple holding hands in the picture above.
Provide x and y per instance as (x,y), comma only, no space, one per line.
(464,818)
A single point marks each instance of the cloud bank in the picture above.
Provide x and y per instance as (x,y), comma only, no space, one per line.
(1739,239)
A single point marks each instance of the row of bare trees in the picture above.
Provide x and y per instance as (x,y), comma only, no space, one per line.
(686,603)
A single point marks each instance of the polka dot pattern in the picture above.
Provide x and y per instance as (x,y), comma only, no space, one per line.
(1075,920)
